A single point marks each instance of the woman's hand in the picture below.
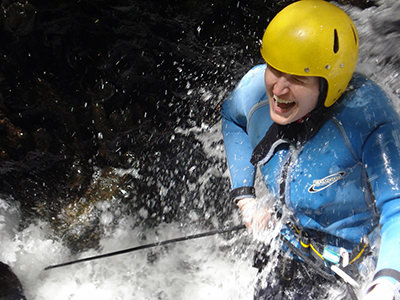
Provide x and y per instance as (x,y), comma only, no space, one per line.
(380,291)
(257,218)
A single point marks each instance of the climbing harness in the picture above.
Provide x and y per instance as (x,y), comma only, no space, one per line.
(326,261)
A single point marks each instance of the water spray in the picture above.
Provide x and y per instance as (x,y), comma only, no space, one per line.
(151,245)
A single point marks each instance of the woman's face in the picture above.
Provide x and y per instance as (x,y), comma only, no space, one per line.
(290,97)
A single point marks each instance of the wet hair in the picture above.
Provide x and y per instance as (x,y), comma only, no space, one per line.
(323,90)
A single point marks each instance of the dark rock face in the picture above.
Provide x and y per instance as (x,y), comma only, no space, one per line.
(90,86)
(10,286)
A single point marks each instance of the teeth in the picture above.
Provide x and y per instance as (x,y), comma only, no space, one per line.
(277,99)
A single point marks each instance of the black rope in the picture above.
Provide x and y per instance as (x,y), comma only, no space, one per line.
(155,244)
(308,261)
(330,277)
(350,291)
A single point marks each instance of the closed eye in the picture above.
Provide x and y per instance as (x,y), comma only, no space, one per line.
(299,79)
(275,71)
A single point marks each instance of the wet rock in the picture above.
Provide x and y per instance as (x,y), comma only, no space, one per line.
(85,219)
(11,138)
(10,286)
(17,17)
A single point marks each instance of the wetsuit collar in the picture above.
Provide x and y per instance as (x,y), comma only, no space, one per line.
(296,134)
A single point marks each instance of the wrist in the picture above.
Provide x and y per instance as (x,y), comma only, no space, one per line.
(385,288)
(240,193)
(386,279)
(244,201)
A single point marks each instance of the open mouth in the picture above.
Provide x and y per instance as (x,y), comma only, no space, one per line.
(284,105)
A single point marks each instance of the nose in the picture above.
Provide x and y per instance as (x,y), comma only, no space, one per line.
(281,86)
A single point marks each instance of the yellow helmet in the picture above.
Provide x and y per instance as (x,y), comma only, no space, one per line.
(313,38)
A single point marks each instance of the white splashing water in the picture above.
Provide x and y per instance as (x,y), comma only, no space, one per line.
(379,33)
(207,268)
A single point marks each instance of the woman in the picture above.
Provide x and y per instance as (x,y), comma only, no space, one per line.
(327,143)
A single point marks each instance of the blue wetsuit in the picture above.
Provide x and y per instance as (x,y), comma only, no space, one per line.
(343,182)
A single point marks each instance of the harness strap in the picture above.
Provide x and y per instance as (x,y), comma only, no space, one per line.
(327,262)
(305,242)
(317,268)
(317,248)
(362,248)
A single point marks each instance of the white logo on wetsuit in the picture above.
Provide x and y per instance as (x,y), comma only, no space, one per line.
(321,184)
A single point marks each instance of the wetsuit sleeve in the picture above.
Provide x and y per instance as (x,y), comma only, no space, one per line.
(238,149)
(382,158)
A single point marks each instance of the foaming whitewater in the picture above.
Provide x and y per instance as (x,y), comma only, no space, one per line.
(206,268)
(215,267)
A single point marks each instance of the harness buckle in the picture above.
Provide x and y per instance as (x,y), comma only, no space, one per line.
(339,261)
(345,257)
(331,256)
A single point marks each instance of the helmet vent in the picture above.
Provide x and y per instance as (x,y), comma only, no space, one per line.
(335,41)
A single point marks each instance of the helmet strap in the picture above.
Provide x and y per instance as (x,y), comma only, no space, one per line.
(320,107)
